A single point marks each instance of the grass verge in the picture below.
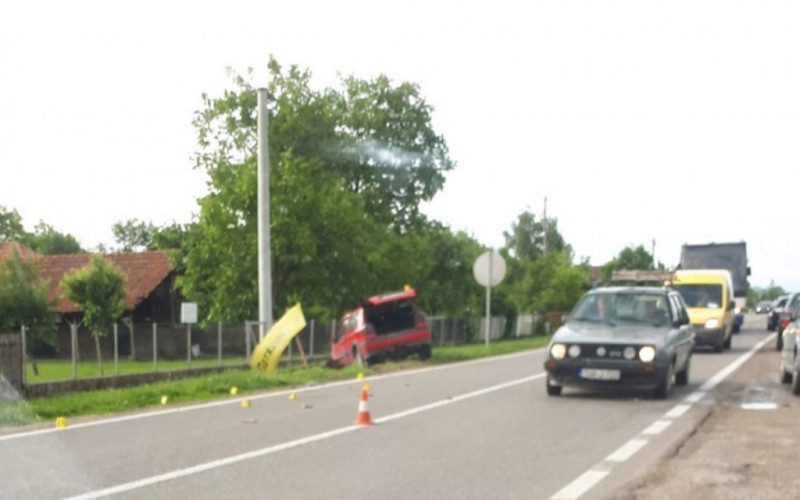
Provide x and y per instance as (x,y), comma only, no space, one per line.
(218,385)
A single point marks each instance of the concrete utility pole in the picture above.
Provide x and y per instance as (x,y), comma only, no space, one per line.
(544,225)
(653,253)
(264,256)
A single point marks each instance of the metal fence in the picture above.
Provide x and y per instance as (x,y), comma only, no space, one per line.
(140,348)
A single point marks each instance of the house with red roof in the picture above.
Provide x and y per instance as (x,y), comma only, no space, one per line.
(149,278)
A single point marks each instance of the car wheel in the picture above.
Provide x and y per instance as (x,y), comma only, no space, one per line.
(665,386)
(682,377)
(786,377)
(552,389)
(360,358)
(424,352)
(779,342)
(796,381)
(726,344)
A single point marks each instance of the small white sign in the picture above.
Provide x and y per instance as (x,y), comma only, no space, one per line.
(489,269)
(188,312)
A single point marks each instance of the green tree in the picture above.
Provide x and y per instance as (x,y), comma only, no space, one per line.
(630,258)
(98,289)
(133,235)
(47,241)
(336,206)
(11,228)
(24,302)
(526,240)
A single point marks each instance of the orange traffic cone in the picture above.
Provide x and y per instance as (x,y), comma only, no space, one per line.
(363,417)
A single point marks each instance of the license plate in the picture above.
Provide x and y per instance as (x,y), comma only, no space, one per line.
(598,374)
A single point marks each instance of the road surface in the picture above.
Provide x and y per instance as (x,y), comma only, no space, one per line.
(476,430)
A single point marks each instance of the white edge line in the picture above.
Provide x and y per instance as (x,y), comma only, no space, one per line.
(728,370)
(656,427)
(581,485)
(214,464)
(694,397)
(678,411)
(256,397)
(627,450)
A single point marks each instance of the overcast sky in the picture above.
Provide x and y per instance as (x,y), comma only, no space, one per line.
(674,121)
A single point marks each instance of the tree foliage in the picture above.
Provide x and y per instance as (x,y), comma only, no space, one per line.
(631,258)
(11,228)
(348,169)
(98,290)
(47,241)
(24,302)
(133,235)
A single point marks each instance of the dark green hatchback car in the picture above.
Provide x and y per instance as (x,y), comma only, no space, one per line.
(623,337)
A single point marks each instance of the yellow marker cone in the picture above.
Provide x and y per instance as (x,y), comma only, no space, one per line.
(293,396)
(245,403)
(164,400)
(234,391)
(61,422)
(360,376)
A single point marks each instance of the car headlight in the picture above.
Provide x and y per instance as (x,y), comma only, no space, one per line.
(558,351)
(647,353)
(712,323)
(574,351)
(737,310)
(629,352)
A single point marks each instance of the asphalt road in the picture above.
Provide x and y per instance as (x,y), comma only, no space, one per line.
(477,430)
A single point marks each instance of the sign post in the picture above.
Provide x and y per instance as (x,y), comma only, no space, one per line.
(189,316)
(489,270)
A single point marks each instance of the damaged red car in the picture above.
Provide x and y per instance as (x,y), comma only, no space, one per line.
(388,326)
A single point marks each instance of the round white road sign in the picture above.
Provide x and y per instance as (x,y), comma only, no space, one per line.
(489,269)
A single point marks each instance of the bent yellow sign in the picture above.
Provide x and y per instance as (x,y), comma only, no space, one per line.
(268,352)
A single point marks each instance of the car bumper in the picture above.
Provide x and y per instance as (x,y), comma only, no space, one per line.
(708,337)
(632,374)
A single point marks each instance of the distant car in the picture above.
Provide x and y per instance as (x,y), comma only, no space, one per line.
(623,337)
(788,314)
(777,306)
(790,361)
(763,307)
(388,326)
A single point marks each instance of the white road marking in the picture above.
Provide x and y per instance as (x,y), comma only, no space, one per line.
(725,372)
(759,406)
(656,427)
(694,397)
(627,450)
(256,397)
(215,464)
(578,487)
(678,411)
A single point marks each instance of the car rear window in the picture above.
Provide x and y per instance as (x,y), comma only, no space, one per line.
(391,317)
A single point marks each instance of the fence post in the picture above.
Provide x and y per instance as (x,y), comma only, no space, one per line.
(155,346)
(24,355)
(116,349)
(311,342)
(247,342)
(73,339)
(219,344)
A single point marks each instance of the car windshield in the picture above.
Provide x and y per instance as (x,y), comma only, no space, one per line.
(623,306)
(696,295)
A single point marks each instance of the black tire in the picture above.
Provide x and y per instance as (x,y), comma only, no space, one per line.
(726,344)
(779,342)
(665,385)
(718,348)
(424,352)
(786,377)
(359,358)
(796,381)
(552,389)
(682,377)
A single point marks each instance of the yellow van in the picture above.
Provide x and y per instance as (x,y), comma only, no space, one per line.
(708,294)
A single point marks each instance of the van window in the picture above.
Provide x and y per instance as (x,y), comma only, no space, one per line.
(696,295)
